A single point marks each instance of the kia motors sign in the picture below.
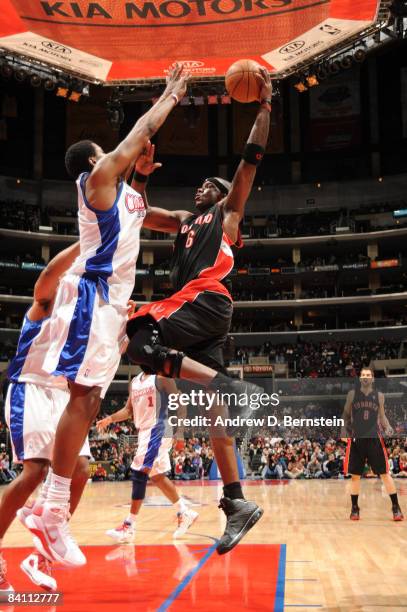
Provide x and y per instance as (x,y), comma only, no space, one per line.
(116,40)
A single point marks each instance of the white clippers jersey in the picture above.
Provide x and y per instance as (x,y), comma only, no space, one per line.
(26,365)
(149,404)
(110,242)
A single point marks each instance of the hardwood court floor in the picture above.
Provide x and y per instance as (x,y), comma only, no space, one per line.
(304,554)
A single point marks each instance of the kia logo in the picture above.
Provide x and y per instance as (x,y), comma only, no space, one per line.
(190,64)
(293,46)
(55,47)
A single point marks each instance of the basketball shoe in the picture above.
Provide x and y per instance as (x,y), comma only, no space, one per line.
(39,571)
(185,520)
(241,515)
(122,534)
(397,513)
(50,525)
(355,514)
(5,586)
(25,511)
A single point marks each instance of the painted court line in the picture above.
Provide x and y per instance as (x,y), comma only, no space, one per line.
(279,598)
(303,606)
(176,592)
(301,579)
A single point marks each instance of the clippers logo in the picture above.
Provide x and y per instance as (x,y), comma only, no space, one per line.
(292,46)
(134,203)
(48,44)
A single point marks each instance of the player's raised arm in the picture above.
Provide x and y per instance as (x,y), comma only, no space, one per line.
(47,282)
(102,182)
(235,201)
(158,219)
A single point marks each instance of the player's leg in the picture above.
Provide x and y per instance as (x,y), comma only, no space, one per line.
(354,465)
(15,496)
(378,461)
(38,564)
(354,496)
(126,530)
(148,445)
(79,479)
(73,425)
(158,474)
(149,349)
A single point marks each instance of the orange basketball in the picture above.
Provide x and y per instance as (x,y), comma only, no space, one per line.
(241,82)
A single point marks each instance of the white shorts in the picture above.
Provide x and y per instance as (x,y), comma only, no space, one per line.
(152,452)
(86,333)
(32,414)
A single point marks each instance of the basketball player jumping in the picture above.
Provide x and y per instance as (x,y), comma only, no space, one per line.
(35,401)
(365,419)
(90,312)
(147,404)
(193,323)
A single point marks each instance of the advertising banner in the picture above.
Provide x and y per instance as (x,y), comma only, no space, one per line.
(117,40)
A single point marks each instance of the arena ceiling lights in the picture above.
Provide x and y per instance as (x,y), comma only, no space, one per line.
(119,42)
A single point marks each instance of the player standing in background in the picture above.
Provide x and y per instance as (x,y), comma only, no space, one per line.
(183,335)
(35,401)
(147,404)
(89,316)
(364,419)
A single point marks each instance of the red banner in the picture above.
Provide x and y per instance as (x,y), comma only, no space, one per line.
(114,40)
(335,113)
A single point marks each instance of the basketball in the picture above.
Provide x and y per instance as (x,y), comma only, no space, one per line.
(241,82)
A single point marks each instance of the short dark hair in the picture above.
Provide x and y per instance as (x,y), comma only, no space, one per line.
(366,368)
(77,158)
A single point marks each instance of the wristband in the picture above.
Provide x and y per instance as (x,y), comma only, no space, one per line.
(175,98)
(253,153)
(266,103)
(139,177)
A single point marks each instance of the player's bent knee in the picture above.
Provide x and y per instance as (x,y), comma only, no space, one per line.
(81,469)
(139,484)
(145,350)
(35,470)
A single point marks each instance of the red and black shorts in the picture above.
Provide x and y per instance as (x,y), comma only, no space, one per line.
(366,450)
(195,320)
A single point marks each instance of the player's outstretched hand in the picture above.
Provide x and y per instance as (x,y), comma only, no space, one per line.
(265,84)
(177,81)
(145,164)
(103,423)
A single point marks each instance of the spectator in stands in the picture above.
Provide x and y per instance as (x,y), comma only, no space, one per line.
(100,473)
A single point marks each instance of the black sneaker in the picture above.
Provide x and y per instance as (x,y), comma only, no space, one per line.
(241,516)
(355,514)
(397,513)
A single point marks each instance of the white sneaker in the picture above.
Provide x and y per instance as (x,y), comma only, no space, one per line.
(39,571)
(185,520)
(5,586)
(25,511)
(50,525)
(123,533)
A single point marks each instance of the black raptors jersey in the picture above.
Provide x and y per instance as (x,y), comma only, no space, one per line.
(201,250)
(365,411)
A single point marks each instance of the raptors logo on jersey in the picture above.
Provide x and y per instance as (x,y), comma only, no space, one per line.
(365,410)
(202,250)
